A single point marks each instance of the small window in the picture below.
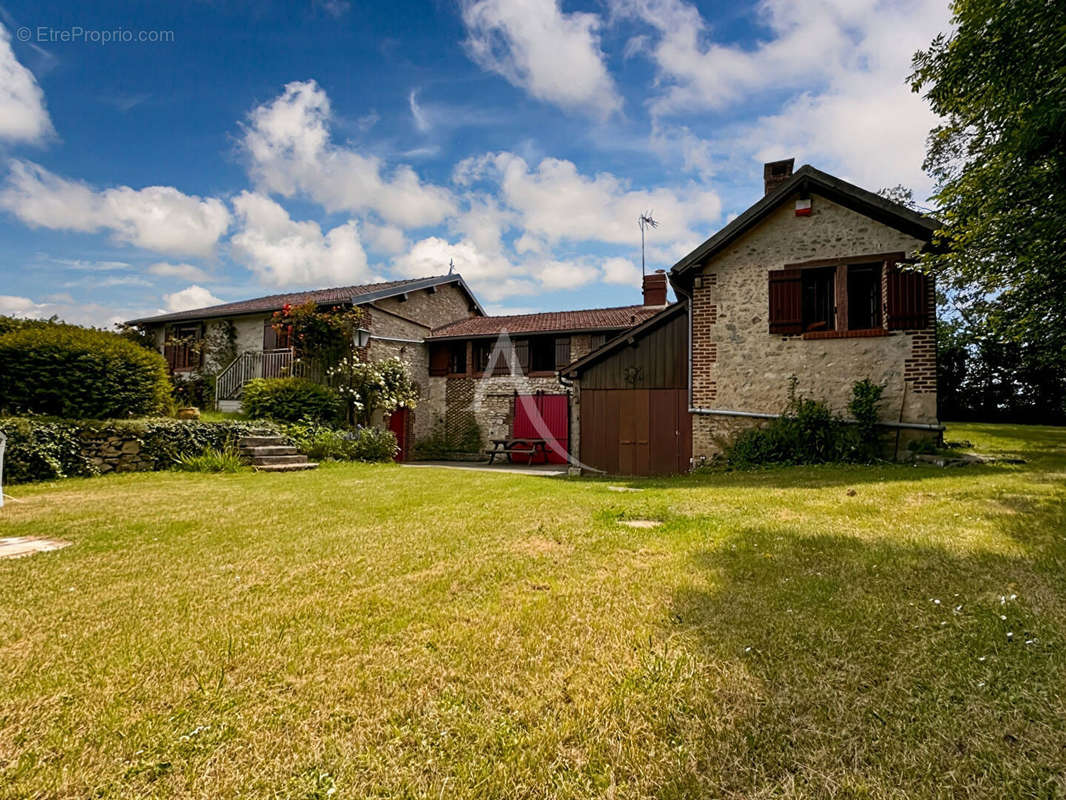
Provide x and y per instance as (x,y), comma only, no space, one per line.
(542,354)
(819,305)
(457,358)
(182,347)
(482,351)
(597,340)
(864,296)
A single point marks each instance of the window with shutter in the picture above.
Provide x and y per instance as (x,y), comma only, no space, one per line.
(521,351)
(786,301)
(439,359)
(562,351)
(457,360)
(907,301)
(182,345)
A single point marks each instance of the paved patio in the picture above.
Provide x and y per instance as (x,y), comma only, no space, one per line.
(541,470)
(18,546)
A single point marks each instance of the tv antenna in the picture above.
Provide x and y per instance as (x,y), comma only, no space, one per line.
(646,220)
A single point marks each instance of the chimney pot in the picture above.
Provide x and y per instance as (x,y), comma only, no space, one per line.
(774,173)
(655,288)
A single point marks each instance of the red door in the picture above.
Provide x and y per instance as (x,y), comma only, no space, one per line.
(398,425)
(544,416)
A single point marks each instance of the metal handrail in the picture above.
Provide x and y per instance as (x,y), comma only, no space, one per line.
(255,364)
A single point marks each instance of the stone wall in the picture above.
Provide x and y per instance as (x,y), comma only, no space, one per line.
(738,365)
(111,451)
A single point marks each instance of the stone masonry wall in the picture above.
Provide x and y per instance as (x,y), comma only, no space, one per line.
(738,365)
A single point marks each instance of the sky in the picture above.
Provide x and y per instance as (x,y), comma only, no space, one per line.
(164,156)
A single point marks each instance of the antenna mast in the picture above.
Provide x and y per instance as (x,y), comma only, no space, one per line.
(646,220)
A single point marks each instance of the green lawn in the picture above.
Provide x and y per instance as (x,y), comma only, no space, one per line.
(392,632)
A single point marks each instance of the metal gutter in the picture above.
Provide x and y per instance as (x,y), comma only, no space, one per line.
(725,412)
(396,339)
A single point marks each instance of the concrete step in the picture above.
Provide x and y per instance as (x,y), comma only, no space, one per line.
(269,450)
(263,461)
(261,441)
(285,467)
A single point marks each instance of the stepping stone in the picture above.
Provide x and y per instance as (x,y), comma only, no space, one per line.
(623,489)
(18,546)
(640,523)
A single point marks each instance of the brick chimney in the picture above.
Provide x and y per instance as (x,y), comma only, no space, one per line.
(655,288)
(777,172)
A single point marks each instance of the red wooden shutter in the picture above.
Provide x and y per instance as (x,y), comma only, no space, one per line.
(562,351)
(908,302)
(439,359)
(786,301)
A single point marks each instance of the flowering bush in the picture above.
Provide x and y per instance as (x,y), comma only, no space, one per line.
(323,336)
(369,386)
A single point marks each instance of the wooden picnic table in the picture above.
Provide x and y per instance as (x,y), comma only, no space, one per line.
(520,446)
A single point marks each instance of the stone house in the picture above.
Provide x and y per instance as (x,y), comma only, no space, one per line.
(232,343)
(435,324)
(809,284)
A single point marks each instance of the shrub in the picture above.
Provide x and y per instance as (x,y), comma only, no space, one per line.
(67,371)
(290,400)
(45,449)
(441,444)
(809,433)
(210,460)
(321,442)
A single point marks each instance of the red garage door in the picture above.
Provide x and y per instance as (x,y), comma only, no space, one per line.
(546,416)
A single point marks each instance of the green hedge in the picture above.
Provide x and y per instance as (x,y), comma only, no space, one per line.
(290,400)
(67,371)
(44,449)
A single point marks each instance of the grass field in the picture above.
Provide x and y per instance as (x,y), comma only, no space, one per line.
(377,631)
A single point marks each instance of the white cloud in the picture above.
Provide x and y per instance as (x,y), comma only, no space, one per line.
(554,56)
(65,308)
(23,116)
(555,202)
(284,252)
(385,238)
(188,272)
(158,218)
(290,153)
(189,298)
(621,271)
(565,274)
(419,116)
(491,274)
(841,65)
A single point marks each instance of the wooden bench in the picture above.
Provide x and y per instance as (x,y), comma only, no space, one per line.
(510,448)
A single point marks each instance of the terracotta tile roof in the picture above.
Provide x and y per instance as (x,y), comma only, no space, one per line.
(338,294)
(592,319)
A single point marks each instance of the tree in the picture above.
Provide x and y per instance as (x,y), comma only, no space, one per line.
(999,163)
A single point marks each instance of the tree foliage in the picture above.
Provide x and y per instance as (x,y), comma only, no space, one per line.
(999,163)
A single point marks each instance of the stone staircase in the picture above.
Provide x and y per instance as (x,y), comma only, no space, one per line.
(272,454)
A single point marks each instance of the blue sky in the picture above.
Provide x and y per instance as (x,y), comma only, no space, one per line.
(219,151)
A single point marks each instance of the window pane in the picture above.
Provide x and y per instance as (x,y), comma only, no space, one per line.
(819,304)
(864,296)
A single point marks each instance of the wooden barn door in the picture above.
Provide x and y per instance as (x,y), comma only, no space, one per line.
(554,409)
(636,431)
